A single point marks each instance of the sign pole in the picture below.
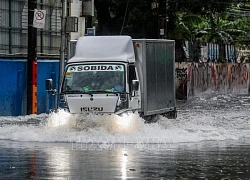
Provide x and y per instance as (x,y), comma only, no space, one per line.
(162,19)
(63,41)
(32,61)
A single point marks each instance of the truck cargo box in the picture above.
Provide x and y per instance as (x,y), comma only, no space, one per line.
(156,58)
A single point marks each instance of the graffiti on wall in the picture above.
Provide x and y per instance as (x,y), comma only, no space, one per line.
(201,78)
(181,80)
(232,78)
(220,77)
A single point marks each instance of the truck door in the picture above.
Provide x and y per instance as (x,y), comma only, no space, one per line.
(135,100)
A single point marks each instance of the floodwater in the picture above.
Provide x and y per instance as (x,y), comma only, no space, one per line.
(210,139)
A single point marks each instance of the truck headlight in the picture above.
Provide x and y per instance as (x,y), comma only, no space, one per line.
(124,120)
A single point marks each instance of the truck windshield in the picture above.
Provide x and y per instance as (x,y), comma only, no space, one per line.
(94,78)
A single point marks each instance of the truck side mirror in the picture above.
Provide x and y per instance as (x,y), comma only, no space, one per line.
(135,85)
(48,84)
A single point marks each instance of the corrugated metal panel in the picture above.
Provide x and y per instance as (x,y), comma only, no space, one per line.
(13,89)
(0,16)
(24,42)
(4,7)
(16,9)
(230,53)
(155,59)
(4,39)
(25,16)
(47,18)
(56,43)
(47,40)
(56,19)
(160,75)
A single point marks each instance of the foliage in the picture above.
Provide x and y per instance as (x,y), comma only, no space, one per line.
(193,20)
(221,30)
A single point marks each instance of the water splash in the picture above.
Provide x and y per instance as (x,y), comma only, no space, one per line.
(84,122)
(208,117)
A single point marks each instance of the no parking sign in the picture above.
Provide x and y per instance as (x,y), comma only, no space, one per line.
(39,18)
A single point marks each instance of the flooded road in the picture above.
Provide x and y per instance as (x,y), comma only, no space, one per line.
(210,139)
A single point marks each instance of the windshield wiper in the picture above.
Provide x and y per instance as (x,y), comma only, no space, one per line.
(106,92)
(90,92)
(74,92)
(101,91)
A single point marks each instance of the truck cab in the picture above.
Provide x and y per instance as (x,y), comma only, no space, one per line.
(101,77)
(100,87)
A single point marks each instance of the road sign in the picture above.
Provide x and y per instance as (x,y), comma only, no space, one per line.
(39,18)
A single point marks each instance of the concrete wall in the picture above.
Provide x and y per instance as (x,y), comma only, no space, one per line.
(191,79)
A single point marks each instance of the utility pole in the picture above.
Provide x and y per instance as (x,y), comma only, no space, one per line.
(89,22)
(32,61)
(162,19)
(63,41)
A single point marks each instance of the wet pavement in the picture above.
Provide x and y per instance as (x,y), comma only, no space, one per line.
(210,139)
(204,160)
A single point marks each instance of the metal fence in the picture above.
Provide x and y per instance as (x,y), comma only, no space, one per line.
(14,28)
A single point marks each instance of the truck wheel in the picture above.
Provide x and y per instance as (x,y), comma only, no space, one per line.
(150,119)
(171,114)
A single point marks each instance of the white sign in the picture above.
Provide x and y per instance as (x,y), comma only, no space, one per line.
(95,68)
(39,18)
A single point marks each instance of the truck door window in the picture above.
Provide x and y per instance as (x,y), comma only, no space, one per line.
(131,76)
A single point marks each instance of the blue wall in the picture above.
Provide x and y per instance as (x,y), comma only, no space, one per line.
(13,81)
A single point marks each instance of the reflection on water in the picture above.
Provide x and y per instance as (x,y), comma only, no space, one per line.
(59,159)
(206,160)
(124,161)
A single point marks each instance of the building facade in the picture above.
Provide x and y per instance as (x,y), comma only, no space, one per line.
(14,27)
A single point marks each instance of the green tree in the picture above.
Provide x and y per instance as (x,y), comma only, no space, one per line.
(192,20)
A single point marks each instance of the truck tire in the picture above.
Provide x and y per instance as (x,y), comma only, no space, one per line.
(171,114)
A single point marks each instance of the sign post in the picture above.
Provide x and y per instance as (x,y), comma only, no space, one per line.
(32,61)
(36,19)
(63,41)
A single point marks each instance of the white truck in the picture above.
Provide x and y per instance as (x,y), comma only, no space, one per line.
(118,74)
